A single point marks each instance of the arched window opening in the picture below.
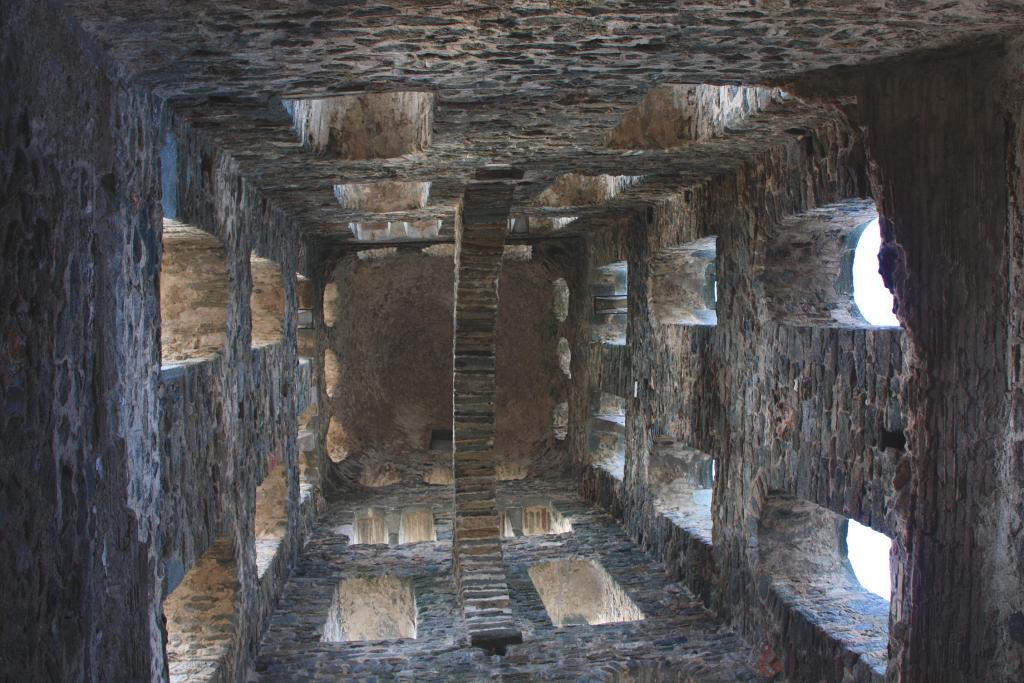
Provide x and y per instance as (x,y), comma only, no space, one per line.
(370,527)
(266,302)
(873,299)
(194,288)
(336,440)
(607,440)
(332,373)
(609,289)
(802,552)
(820,269)
(561,299)
(868,552)
(684,284)
(332,303)
(565,357)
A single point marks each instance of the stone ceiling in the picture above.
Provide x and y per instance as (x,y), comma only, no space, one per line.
(539,85)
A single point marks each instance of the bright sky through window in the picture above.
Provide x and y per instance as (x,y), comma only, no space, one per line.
(869,292)
(868,551)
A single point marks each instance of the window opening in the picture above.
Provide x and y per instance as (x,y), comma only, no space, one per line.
(200,616)
(609,291)
(441,439)
(169,175)
(868,551)
(371,608)
(873,299)
(576,592)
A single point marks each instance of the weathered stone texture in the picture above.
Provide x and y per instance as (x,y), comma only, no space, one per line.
(303,137)
(741,391)
(368,126)
(252,395)
(949,195)
(676,640)
(392,336)
(673,115)
(79,310)
(807,274)
(476,538)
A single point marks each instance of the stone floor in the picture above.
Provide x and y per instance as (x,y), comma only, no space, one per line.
(676,641)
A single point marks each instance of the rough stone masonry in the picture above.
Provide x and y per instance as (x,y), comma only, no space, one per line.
(299,381)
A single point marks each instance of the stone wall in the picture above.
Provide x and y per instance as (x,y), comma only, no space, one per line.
(248,398)
(79,360)
(119,475)
(393,340)
(802,409)
(677,640)
(950,196)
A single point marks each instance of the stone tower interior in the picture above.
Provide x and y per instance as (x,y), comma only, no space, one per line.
(512,341)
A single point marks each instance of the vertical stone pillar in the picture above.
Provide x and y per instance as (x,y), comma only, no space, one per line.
(476,547)
(951,209)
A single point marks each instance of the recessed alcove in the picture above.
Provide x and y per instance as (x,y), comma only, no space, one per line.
(194,286)
(305,297)
(309,472)
(267,301)
(533,518)
(680,479)
(559,222)
(609,290)
(441,440)
(575,189)
(821,269)
(201,620)
(416,525)
(607,433)
(683,288)
(560,421)
(580,591)
(383,196)
(674,115)
(271,517)
(382,125)
(565,357)
(803,556)
(560,306)
(371,608)
(370,527)
(382,525)
(371,231)
(336,439)
(331,304)
(332,373)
